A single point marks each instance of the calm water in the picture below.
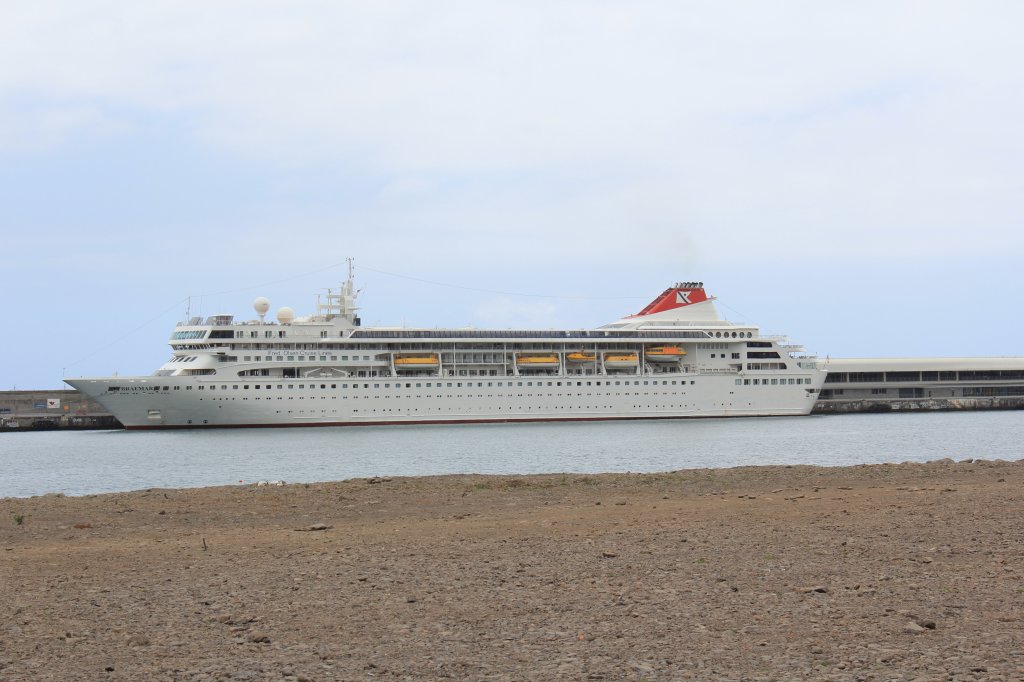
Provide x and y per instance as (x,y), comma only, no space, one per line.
(82,462)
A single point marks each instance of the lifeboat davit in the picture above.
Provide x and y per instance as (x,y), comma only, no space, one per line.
(537,361)
(416,363)
(664,353)
(580,356)
(621,360)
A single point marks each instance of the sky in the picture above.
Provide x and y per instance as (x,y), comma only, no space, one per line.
(849,174)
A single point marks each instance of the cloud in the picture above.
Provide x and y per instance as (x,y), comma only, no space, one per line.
(513,313)
(673,132)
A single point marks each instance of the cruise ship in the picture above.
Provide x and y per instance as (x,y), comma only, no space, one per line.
(675,358)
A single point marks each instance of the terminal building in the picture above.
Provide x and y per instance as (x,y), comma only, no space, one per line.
(56,409)
(881,384)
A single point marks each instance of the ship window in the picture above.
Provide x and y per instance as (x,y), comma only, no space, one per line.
(258,387)
(450,384)
(323,385)
(234,387)
(291,358)
(334,357)
(746,382)
(740,382)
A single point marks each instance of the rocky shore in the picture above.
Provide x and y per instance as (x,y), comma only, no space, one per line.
(887,572)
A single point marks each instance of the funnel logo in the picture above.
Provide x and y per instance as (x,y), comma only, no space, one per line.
(683,297)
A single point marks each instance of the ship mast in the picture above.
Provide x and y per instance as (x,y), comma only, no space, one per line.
(340,302)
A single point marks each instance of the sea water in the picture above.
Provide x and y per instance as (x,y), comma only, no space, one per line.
(84,462)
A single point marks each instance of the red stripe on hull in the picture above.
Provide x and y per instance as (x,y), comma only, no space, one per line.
(164,427)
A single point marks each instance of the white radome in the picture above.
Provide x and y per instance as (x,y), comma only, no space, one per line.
(285,315)
(261,305)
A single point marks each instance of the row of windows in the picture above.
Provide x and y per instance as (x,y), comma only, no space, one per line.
(447,384)
(771,382)
(470,384)
(962,375)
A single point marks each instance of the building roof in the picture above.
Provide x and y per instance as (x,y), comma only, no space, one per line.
(923,364)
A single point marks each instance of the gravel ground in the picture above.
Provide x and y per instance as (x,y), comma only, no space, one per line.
(888,572)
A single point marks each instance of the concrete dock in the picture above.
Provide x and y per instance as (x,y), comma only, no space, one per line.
(56,409)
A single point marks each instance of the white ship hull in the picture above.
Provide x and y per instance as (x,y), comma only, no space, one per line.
(145,403)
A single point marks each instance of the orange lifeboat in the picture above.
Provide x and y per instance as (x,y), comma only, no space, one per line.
(537,361)
(416,363)
(621,360)
(664,353)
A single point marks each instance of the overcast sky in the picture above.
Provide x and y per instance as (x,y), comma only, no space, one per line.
(847,173)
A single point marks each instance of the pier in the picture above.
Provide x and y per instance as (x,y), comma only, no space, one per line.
(49,410)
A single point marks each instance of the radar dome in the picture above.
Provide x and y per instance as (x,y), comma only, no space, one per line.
(261,306)
(285,315)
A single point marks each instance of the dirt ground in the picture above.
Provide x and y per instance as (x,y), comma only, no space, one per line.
(888,572)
